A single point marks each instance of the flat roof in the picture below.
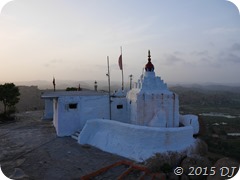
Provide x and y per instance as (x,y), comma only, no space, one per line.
(55,94)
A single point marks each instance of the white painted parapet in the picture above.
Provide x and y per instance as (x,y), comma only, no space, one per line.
(134,141)
(190,120)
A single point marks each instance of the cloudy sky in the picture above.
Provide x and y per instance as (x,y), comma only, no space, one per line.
(191,41)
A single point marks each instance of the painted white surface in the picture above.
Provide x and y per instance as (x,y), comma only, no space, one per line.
(55,114)
(120,93)
(134,141)
(118,98)
(190,120)
(67,120)
(152,104)
(118,114)
(48,110)
(147,122)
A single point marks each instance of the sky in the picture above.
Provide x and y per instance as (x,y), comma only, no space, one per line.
(191,41)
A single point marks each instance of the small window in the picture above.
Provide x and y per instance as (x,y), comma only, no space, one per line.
(120,106)
(72,106)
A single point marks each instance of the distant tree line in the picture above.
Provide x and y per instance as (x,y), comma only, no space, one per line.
(73,89)
(9,96)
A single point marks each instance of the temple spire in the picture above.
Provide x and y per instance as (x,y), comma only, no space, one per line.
(149,56)
(149,66)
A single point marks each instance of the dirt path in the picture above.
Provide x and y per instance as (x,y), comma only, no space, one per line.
(31,145)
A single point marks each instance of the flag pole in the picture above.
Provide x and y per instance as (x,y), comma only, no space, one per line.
(54,84)
(109,89)
(122,71)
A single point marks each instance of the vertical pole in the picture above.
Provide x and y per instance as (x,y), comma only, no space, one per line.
(54,84)
(122,71)
(109,89)
(130,81)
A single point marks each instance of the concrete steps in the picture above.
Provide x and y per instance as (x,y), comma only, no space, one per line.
(75,135)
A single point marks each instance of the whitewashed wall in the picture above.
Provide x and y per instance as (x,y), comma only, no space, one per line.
(119,114)
(134,141)
(190,120)
(152,104)
(68,120)
(55,113)
(132,105)
(48,109)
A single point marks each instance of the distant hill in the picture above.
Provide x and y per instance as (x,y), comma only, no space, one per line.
(30,99)
(206,88)
(201,95)
(63,84)
(103,85)
(196,99)
(60,84)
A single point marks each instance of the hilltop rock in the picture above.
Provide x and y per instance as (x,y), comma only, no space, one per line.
(200,148)
(195,161)
(163,162)
(224,162)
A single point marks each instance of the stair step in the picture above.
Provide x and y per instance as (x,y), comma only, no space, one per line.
(75,135)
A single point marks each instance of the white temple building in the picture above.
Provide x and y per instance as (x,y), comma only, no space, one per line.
(144,120)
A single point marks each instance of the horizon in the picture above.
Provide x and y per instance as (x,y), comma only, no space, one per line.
(190,41)
(89,84)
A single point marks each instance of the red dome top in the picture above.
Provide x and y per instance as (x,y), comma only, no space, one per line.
(149,66)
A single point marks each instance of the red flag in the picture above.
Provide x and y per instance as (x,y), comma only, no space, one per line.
(120,62)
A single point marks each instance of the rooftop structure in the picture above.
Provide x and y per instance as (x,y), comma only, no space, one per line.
(144,121)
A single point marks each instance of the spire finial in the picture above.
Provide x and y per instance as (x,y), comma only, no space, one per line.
(149,66)
(149,55)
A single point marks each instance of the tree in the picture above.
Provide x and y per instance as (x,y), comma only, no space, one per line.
(9,95)
(71,89)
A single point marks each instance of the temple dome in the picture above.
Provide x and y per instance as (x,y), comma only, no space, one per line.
(149,66)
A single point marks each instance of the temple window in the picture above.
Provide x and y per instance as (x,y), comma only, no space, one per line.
(120,106)
(72,106)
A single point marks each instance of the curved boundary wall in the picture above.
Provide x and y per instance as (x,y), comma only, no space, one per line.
(190,120)
(133,141)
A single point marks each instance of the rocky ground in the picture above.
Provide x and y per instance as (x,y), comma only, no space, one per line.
(30,150)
